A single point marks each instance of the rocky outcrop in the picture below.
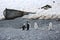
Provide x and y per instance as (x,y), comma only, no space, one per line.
(11,13)
(46,7)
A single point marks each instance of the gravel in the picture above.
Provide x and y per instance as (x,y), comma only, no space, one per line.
(10,30)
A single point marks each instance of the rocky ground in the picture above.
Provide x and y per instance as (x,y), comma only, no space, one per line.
(10,30)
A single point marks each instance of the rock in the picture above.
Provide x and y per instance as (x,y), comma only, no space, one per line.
(46,7)
(11,13)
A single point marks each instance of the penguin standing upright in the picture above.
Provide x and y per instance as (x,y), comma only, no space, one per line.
(35,25)
(27,26)
(50,26)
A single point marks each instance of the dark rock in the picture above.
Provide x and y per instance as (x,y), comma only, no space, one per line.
(11,13)
(46,7)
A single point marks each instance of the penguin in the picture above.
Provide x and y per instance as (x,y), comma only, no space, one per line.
(50,26)
(35,25)
(28,26)
(23,27)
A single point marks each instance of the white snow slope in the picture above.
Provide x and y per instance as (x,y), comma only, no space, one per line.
(31,6)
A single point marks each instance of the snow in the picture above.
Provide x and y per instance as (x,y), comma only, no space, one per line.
(31,6)
(17,34)
(10,29)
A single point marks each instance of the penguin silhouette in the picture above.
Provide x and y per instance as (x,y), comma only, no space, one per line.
(28,25)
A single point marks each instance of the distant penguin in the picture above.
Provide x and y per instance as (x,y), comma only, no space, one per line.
(50,26)
(35,25)
(23,27)
(27,25)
